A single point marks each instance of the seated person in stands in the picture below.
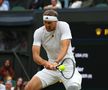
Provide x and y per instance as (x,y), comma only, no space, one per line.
(8,85)
(75,4)
(2,86)
(100,3)
(4,5)
(37,4)
(7,71)
(19,84)
(87,3)
(55,4)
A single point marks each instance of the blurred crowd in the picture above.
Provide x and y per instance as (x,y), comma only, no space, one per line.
(11,40)
(7,77)
(6,5)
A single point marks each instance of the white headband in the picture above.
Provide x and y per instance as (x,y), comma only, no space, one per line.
(50,18)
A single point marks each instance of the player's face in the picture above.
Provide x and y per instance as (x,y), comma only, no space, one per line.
(50,25)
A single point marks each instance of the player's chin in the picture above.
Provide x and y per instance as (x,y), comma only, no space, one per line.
(49,29)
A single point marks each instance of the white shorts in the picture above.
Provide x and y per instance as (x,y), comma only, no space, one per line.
(49,77)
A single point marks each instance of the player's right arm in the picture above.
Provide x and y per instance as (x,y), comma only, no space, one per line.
(36,50)
(38,59)
(36,55)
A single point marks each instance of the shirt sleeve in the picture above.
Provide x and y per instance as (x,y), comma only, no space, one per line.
(66,32)
(37,38)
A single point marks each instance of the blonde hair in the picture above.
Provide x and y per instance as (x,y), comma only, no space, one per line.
(50,12)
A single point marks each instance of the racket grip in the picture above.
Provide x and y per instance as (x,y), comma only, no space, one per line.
(55,68)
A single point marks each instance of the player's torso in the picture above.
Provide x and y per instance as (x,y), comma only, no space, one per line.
(51,42)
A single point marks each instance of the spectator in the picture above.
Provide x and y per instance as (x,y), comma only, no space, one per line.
(55,4)
(66,3)
(19,84)
(4,5)
(87,3)
(2,86)
(100,3)
(8,85)
(39,4)
(7,71)
(76,4)
(35,4)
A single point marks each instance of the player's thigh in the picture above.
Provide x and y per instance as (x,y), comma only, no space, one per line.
(34,84)
(74,82)
(47,77)
(73,87)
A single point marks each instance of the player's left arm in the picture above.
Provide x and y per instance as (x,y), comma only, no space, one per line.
(64,45)
(65,41)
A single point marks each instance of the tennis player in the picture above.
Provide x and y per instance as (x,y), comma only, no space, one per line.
(55,36)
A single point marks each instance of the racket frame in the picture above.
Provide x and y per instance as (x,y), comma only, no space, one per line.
(74,66)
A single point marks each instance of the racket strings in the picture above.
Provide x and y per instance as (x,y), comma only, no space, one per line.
(69,68)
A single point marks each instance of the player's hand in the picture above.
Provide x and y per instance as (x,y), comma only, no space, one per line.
(55,65)
(48,65)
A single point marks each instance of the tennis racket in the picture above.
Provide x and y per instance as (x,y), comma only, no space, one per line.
(69,69)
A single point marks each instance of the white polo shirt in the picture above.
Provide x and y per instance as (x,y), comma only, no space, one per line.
(51,40)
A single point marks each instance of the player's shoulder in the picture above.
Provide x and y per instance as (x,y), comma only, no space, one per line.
(62,23)
(40,29)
